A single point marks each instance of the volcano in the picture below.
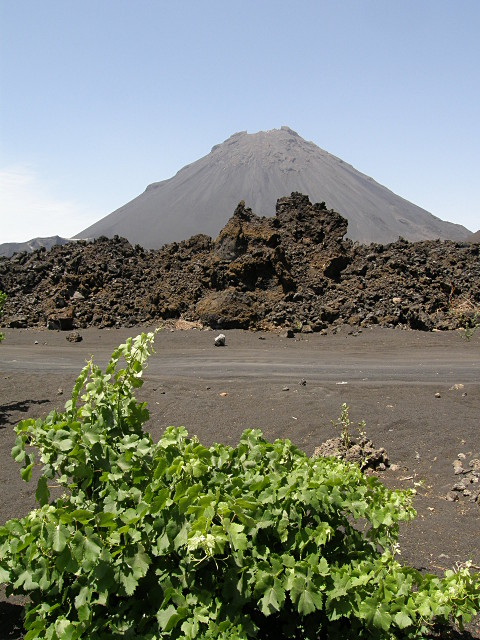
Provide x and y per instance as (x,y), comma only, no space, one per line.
(259,168)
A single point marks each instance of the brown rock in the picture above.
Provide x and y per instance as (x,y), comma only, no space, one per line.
(260,273)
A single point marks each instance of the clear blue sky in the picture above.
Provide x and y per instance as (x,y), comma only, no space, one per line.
(99,98)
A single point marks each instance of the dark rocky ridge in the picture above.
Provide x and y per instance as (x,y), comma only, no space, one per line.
(294,270)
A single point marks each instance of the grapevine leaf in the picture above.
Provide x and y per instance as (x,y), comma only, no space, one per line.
(64,629)
(83,612)
(82,597)
(4,575)
(167,618)
(26,472)
(82,515)
(181,537)
(309,601)
(237,537)
(402,620)
(105,519)
(91,549)
(60,536)
(140,564)
(128,581)
(18,451)
(65,562)
(273,598)
(162,544)
(382,618)
(25,580)
(42,494)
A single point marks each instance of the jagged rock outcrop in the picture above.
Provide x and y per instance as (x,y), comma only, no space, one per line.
(294,270)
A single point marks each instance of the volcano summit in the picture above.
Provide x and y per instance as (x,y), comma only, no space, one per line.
(259,168)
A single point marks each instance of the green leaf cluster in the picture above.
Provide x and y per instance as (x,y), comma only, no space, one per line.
(470,324)
(177,540)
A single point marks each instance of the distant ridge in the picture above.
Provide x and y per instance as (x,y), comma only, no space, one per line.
(475,237)
(259,168)
(7,249)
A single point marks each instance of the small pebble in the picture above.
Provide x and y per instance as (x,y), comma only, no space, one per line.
(437,395)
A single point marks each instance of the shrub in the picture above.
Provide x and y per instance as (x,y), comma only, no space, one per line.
(470,324)
(176,540)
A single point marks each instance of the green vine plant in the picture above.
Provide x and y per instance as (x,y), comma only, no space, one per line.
(3,297)
(175,540)
(345,425)
(470,324)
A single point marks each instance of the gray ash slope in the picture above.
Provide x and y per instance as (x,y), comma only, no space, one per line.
(259,168)
(295,270)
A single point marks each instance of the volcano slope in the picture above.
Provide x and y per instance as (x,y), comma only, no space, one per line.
(258,167)
(295,270)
